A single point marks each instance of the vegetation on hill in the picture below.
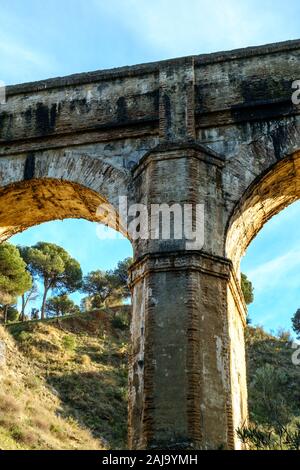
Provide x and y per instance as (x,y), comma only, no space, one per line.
(107,288)
(64,385)
(14,278)
(247,289)
(296,323)
(273,392)
(24,270)
(68,385)
(53,265)
(31,413)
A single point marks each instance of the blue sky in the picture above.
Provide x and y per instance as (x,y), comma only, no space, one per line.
(272,263)
(59,37)
(46,39)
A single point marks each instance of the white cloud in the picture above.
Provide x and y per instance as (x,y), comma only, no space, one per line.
(178,27)
(18,60)
(10,49)
(278,272)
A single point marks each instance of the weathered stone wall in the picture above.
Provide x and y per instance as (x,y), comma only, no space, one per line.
(219,130)
(180,361)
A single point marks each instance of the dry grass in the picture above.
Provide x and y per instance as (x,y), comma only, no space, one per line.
(63,385)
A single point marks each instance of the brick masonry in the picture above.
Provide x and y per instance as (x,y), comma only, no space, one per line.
(218,129)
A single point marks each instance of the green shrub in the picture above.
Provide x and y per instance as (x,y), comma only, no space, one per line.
(24,337)
(120,321)
(69,343)
(257,437)
(12,314)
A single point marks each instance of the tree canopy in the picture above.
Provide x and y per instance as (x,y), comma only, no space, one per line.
(24,268)
(14,278)
(247,289)
(100,287)
(121,272)
(61,305)
(296,323)
(107,287)
(54,266)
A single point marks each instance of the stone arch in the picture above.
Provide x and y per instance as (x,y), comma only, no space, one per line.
(54,185)
(269,193)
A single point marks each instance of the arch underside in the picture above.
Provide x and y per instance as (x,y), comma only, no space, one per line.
(266,197)
(28,203)
(60,184)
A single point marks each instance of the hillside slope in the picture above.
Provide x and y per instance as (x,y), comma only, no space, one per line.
(64,385)
(273,379)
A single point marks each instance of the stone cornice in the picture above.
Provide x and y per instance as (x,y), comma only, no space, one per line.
(198,261)
(177,150)
(180,261)
(150,68)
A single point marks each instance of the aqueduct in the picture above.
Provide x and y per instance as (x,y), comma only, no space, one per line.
(218,129)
